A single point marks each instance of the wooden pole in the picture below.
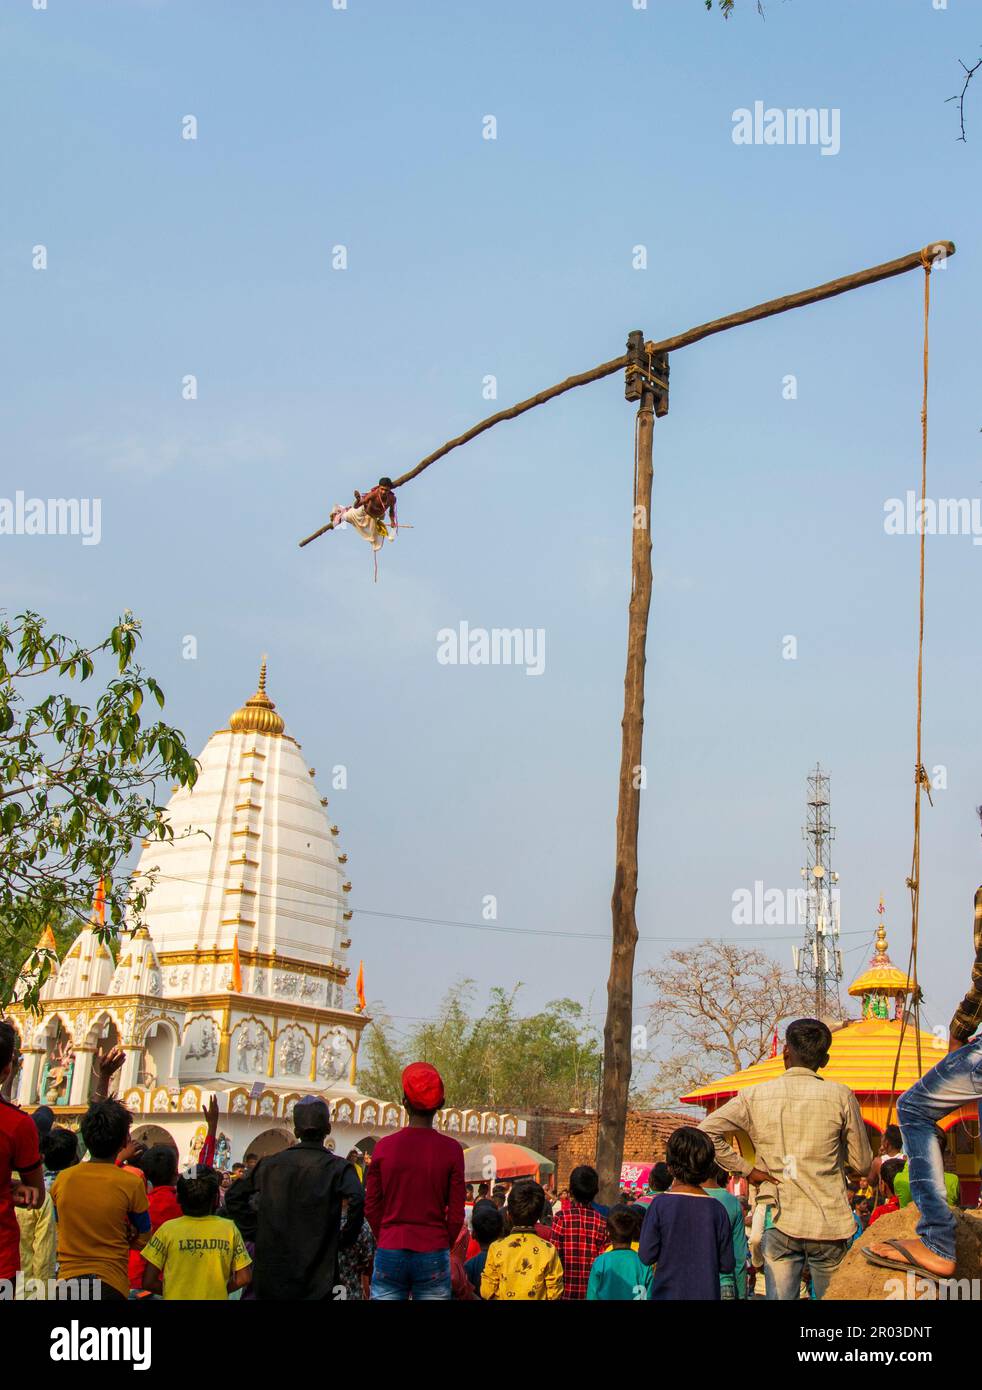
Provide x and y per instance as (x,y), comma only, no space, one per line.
(620,983)
(322,530)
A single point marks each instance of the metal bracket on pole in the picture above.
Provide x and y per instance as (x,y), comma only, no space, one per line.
(646,371)
(657,378)
(633,382)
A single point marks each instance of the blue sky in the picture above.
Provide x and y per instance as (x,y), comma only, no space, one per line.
(512,257)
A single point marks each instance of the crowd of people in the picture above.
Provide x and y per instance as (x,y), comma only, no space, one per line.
(105,1217)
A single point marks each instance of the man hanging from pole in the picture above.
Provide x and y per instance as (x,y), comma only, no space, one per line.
(367,515)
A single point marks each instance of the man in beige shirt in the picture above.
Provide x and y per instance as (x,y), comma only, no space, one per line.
(806,1133)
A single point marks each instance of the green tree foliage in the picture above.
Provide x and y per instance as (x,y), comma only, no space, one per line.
(78,784)
(495,1059)
(18,947)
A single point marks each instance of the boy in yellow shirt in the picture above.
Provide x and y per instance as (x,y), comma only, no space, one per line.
(101,1209)
(198,1256)
(522,1266)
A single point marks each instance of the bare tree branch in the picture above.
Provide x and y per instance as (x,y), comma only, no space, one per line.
(718,1004)
(960,96)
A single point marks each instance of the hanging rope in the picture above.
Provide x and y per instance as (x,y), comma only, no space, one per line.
(921,781)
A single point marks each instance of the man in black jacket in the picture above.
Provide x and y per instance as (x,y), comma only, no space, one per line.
(291,1201)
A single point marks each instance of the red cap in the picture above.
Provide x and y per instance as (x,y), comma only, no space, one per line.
(422,1086)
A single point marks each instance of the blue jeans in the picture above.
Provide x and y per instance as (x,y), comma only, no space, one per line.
(955,1081)
(785,1258)
(415,1274)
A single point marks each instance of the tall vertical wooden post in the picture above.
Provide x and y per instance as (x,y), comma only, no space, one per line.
(647,383)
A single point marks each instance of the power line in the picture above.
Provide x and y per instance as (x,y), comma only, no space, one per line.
(484,926)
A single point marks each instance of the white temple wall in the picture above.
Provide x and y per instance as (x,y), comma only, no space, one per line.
(243,1134)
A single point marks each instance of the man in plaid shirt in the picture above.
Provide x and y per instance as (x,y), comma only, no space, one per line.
(579,1232)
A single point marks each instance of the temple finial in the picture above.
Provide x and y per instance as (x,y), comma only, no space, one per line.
(881,930)
(258,715)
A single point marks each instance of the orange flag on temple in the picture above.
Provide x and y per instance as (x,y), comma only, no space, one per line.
(774,1044)
(236,966)
(99,904)
(360,985)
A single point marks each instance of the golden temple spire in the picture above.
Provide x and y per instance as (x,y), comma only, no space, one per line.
(880,954)
(258,715)
(881,979)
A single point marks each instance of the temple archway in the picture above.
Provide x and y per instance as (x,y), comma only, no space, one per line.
(271,1141)
(54,1087)
(104,1036)
(154,1134)
(159,1063)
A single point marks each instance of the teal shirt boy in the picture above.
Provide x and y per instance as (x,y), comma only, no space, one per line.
(619,1276)
(734,1285)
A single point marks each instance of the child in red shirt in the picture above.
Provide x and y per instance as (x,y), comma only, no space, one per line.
(18,1151)
(889,1169)
(159,1168)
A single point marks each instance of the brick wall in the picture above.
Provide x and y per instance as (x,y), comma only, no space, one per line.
(645,1135)
(546,1128)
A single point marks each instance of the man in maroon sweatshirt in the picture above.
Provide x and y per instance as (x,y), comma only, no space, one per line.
(414,1196)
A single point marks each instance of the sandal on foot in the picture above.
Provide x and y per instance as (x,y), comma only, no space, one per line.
(905,1261)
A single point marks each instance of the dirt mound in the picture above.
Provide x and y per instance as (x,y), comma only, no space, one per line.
(857,1279)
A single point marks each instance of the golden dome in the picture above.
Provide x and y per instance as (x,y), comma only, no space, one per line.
(882,977)
(258,715)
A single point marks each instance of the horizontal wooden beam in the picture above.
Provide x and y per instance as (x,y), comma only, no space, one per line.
(933,254)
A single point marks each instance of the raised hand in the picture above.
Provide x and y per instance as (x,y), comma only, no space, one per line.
(105,1068)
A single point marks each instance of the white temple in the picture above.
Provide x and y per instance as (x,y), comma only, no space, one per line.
(237,983)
